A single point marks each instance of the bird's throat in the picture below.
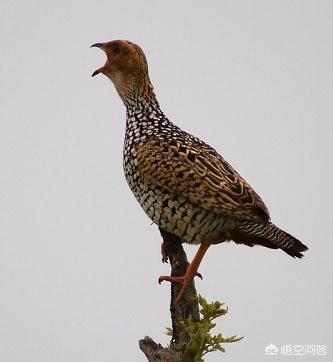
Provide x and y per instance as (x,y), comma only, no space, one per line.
(135,92)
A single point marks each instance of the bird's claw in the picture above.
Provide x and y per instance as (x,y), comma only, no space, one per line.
(185,281)
(167,278)
(164,253)
(165,259)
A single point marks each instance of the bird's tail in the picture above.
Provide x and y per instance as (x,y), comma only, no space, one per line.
(269,235)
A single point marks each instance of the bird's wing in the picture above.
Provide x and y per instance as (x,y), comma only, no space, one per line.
(196,172)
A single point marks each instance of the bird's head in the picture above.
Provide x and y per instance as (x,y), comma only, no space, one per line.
(126,66)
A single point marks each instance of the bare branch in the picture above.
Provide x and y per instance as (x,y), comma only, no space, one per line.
(179,312)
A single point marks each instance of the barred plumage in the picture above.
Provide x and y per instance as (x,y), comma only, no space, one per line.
(182,183)
(271,236)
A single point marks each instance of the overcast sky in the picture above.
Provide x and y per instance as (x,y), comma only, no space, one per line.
(79,259)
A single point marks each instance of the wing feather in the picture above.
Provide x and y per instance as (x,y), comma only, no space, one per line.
(200,175)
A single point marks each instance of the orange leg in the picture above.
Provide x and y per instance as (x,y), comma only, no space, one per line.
(191,271)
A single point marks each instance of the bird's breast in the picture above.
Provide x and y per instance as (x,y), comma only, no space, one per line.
(191,223)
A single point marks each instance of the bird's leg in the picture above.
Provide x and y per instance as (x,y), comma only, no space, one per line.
(197,274)
(190,273)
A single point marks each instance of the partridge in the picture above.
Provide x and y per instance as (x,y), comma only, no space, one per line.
(183,184)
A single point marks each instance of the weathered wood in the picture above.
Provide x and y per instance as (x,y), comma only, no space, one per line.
(179,312)
(155,352)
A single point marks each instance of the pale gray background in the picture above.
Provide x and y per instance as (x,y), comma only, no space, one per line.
(79,260)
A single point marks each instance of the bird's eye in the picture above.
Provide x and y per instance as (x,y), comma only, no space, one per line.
(115,48)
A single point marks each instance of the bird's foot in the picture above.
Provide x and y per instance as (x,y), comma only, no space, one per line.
(185,280)
(164,253)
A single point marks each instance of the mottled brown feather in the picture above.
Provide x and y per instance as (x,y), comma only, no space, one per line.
(200,175)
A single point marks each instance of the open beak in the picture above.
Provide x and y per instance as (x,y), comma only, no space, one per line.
(97,45)
(97,71)
(100,46)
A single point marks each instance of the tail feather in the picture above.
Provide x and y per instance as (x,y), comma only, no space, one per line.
(269,235)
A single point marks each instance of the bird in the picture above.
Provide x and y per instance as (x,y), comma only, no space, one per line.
(183,184)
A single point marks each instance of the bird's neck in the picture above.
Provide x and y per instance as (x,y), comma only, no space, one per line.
(144,112)
(142,105)
(136,92)
(141,101)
